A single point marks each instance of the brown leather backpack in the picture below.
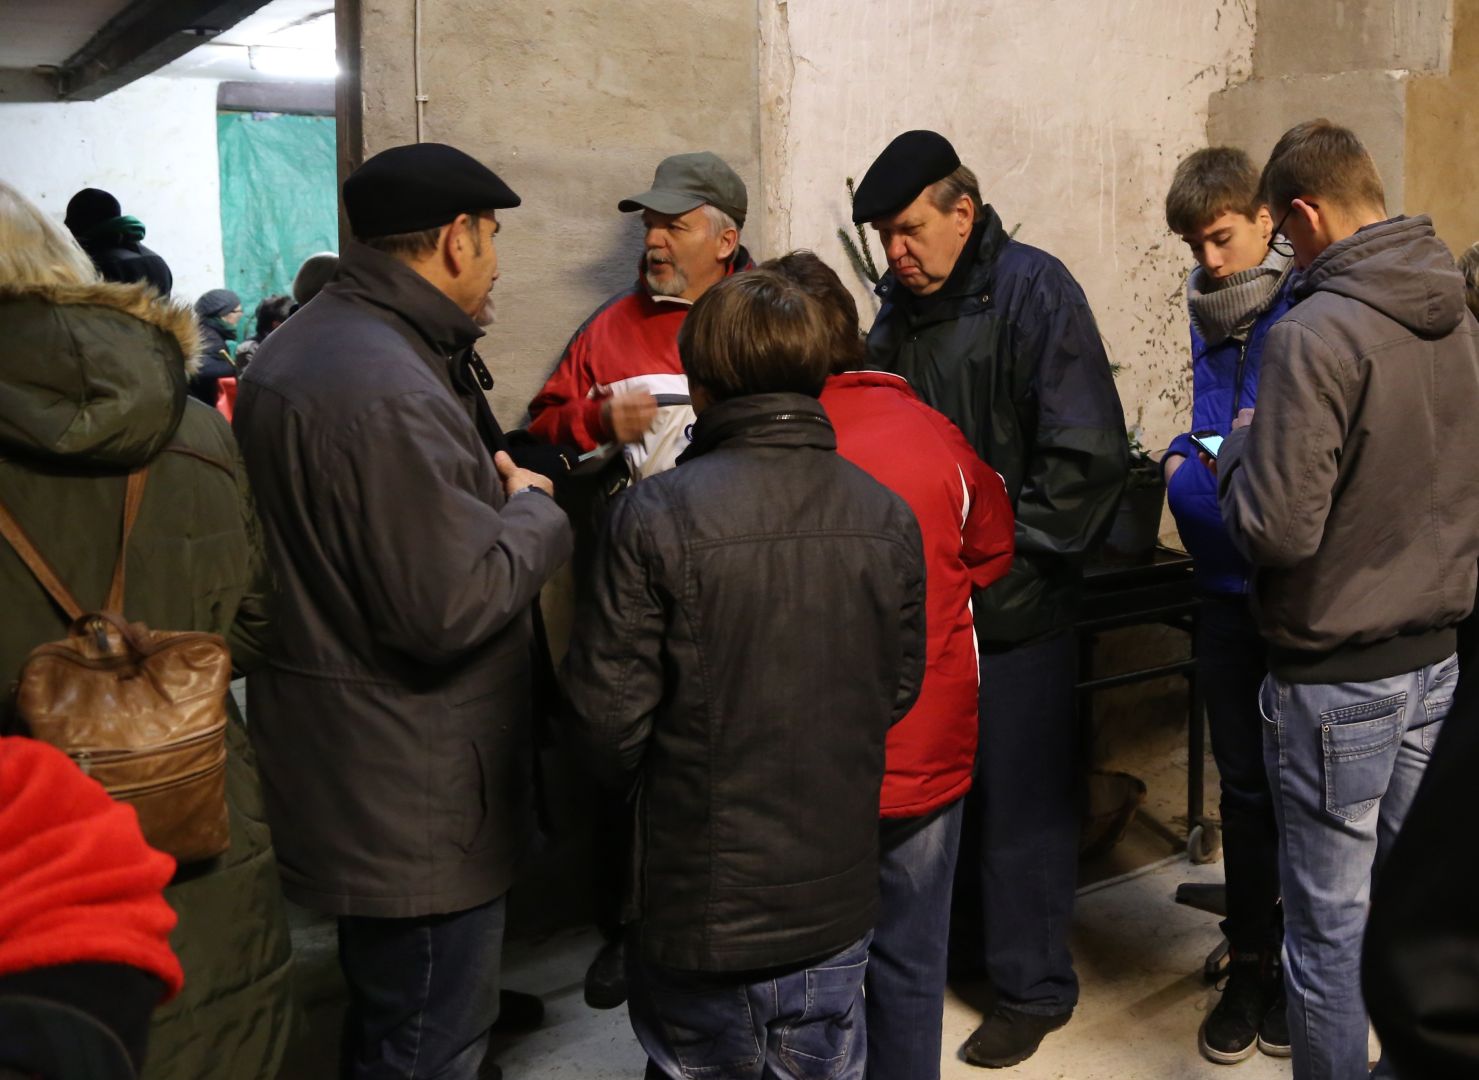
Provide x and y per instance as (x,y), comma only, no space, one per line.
(142,711)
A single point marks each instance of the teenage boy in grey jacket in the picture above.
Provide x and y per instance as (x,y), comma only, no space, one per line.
(1353,494)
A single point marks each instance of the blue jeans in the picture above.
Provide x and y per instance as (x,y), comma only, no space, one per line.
(1232,661)
(423,994)
(803,1023)
(1019,870)
(906,963)
(1344,761)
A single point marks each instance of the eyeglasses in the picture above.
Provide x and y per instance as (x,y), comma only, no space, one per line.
(1277,243)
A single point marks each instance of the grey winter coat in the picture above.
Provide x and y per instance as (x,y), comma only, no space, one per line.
(1354,492)
(393,718)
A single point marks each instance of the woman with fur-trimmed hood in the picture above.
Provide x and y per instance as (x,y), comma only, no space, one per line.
(93,386)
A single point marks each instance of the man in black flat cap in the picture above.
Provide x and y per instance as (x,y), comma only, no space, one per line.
(999,337)
(393,718)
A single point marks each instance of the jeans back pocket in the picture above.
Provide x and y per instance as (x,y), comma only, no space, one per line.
(1360,744)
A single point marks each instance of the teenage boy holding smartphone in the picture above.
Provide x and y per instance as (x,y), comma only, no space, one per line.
(1239,288)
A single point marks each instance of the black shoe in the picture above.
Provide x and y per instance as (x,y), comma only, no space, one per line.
(1010,1036)
(606,978)
(517,1013)
(1273,1029)
(1230,1032)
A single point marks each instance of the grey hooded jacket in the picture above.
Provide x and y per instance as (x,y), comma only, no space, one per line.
(1354,492)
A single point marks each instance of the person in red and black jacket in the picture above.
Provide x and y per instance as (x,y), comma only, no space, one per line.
(84,926)
(966,522)
(621,384)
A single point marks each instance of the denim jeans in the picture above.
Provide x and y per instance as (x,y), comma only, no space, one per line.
(906,963)
(423,994)
(1019,841)
(1344,761)
(804,1023)
(1232,660)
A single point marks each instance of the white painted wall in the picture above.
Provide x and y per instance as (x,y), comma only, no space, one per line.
(1072,114)
(152,144)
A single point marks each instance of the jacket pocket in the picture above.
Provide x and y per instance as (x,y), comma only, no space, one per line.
(1360,744)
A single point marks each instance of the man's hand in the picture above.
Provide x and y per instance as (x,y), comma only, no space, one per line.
(1243,419)
(629,416)
(1171,464)
(1208,460)
(517,479)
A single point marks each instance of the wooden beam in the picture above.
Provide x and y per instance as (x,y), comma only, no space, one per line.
(142,38)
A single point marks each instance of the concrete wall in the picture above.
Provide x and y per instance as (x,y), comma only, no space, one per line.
(573,104)
(1073,115)
(1442,139)
(152,143)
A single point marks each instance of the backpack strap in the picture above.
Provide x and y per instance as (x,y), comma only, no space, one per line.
(133,496)
(47,576)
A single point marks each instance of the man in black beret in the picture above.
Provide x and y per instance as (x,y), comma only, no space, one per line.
(393,720)
(999,337)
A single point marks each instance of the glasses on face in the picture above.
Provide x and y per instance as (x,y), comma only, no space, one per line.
(1276,240)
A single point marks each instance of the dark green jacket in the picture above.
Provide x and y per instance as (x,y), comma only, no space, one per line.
(1010,352)
(92,385)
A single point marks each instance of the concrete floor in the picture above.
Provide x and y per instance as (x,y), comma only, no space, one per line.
(1139,957)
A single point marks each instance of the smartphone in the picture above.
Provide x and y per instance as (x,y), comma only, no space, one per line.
(1208,442)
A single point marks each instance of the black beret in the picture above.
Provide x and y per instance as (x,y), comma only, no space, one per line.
(908,165)
(421,186)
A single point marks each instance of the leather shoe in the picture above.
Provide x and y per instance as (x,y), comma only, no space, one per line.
(1009,1037)
(517,1013)
(606,978)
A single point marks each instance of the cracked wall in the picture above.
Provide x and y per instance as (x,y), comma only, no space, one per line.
(1073,116)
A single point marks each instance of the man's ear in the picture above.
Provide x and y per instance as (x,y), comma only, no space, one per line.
(728,242)
(1311,215)
(1264,219)
(455,243)
(965,215)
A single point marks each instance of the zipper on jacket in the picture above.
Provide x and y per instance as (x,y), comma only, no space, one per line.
(1237,394)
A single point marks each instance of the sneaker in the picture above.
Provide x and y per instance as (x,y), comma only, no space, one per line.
(1230,1032)
(606,978)
(1273,1029)
(1009,1037)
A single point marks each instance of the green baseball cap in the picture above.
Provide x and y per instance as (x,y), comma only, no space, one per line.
(684,182)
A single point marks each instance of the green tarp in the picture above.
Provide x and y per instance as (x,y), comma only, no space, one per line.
(279,201)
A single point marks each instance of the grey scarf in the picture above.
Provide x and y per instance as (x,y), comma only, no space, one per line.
(1224,309)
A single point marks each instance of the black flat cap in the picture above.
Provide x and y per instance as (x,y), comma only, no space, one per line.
(421,186)
(908,165)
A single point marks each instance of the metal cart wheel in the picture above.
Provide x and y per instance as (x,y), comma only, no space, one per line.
(1204,842)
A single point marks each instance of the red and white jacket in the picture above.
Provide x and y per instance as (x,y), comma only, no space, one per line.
(629,343)
(966,521)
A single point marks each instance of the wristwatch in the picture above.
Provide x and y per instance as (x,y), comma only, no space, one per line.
(531,487)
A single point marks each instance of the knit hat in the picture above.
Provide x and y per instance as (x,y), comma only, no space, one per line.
(89,208)
(217,302)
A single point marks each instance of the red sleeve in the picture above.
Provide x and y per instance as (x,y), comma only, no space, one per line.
(564,413)
(988,534)
(77,881)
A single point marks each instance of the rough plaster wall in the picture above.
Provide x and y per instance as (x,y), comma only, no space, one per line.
(1073,116)
(1298,37)
(1373,104)
(572,103)
(1442,150)
(152,143)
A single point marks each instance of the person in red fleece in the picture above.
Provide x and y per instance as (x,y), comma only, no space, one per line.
(966,521)
(83,919)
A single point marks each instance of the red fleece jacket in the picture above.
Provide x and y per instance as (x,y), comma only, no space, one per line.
(77,881)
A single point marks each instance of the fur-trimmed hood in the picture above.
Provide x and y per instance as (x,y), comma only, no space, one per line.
(93,374)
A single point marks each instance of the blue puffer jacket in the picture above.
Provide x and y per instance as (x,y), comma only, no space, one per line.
(1216,371)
